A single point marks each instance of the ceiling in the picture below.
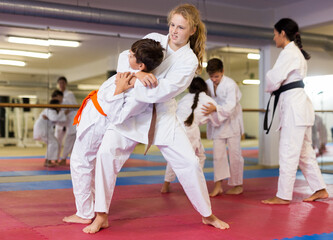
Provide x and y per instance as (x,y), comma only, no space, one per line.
(101,43)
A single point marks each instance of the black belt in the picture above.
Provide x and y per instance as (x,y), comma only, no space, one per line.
(298,84)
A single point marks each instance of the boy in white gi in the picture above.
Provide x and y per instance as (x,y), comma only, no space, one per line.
(226,93)
(190,113)
(44,131)
(96,112)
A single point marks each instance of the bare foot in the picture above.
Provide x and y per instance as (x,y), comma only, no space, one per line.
(49,163)
(101,221)
(76,219)
(218,190)
(275,200)
(62,162)
(215,222)
(235,190)
(320,194)
(166,187)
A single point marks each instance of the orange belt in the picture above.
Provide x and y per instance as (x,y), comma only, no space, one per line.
(93,96)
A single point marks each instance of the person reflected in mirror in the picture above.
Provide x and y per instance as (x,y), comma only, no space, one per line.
(44,131)
(66,132)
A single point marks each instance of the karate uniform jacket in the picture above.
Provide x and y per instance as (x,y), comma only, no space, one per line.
(117,108)
(228,109)
(290,67)
(69,99)
(44,127)
(175,74)
(184,110)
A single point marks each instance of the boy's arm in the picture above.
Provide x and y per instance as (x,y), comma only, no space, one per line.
(227,109)
(147,79)
(123,103)
(130,108)
(126,106)
(124,81)
(53,116)
(213,116)
(174,83)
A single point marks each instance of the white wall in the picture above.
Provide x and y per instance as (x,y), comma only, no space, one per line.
(250,100)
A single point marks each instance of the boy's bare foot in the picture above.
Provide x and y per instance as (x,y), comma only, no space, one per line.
(101,221)
(235,190)
(76,219)
(275,200)
(166,187)
(215,222)
(320,194)
(49,163)
(218,190)
(62,162)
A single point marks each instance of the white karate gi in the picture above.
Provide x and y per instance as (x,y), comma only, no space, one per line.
(175,74)
(44,131)
(228,133)
(296,119)
(193,132)
(70,132)
(90,132)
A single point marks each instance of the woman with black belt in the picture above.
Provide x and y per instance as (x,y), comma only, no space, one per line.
(296,115)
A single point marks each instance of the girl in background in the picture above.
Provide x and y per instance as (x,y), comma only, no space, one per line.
(189,112)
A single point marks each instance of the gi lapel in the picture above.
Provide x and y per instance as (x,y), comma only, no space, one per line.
(169,61)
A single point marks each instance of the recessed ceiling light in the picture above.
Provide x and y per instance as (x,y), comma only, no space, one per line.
(43,42)
(12,62)
(251,81)
(239,50)
(25,53)
(254,56)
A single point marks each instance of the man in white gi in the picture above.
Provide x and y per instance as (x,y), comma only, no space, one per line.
(226,93)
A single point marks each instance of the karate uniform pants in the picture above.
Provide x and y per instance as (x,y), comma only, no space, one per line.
(296,149)
(116,149)
(52,146)
(68,142)
(232,169)
(83,160)
(170,175)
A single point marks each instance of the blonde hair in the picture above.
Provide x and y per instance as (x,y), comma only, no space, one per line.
(198,39)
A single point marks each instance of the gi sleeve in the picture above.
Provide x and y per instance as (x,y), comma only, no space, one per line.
(174,83)
(284,65)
